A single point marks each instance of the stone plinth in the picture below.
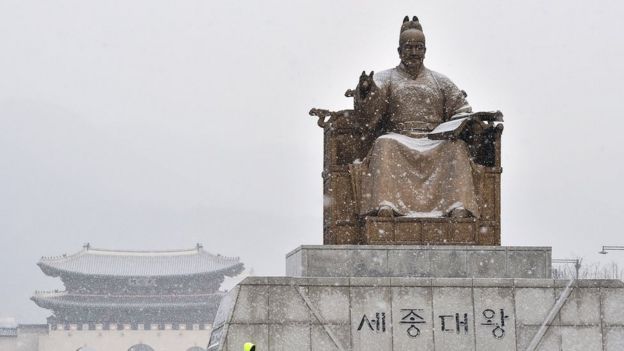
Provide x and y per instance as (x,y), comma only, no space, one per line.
(384,313)
(419,261)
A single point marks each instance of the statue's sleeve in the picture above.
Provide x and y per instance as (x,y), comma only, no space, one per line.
(455,99)
(372,107)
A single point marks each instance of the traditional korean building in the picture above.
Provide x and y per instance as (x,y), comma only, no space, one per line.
(148,294)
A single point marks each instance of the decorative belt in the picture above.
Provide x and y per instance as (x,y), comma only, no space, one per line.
(423,127)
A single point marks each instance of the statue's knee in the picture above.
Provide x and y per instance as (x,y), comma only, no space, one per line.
(383,145)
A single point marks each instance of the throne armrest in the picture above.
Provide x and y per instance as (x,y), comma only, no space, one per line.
(347,138)
(484,142)
(480,130)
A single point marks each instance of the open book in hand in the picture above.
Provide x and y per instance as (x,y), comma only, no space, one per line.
(457,124)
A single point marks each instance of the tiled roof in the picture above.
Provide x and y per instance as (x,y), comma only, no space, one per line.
(91,261)
(53,300)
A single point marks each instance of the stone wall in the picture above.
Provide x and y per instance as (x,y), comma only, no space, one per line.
(26,338)
(42,339)
(366,313)
(122,340)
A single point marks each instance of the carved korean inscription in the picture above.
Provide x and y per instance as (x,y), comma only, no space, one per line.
(497,320)
(412,320)
(412,317)
(377,324)
(454,323)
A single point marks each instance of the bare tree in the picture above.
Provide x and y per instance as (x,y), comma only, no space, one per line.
(593,270)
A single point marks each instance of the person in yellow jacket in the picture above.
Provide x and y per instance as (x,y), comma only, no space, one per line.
(249,347)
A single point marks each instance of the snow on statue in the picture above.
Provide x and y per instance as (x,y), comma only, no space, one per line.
(406,173)
(410,150)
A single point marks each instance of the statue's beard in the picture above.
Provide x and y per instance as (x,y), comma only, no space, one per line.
(413,62)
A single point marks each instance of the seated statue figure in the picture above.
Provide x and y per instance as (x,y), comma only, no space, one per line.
(405,173)
(411,163)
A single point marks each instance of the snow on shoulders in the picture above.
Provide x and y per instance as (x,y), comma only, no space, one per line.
(382,77)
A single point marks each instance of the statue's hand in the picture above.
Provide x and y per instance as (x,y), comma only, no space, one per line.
(366,84)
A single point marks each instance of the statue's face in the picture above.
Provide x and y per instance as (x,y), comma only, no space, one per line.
(412,53)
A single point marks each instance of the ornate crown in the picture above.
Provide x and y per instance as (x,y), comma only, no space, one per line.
(413,24)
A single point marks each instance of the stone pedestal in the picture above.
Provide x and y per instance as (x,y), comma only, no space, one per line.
(419,261)
(386,298)
(364,313)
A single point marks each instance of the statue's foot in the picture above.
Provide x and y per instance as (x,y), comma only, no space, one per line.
(460,213)
(385,211)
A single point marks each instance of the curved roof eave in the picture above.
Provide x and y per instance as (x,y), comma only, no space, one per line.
(51,303)
(110,263)
(57,272)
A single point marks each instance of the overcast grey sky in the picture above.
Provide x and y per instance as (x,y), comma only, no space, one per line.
(158,124)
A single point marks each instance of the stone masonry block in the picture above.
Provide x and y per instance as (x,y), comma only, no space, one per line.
(494,319)
(453,319)
(287,305)
(409,263)
(331,302)
(239,334)
(371,319)
(369,263)
(613,306)
(448,263)
(550,342)
(296,264)
(523,264)
(614,338)
(580,338)
(581,308)
(412,310)
(420,261)
(252,305)
(486,263)
(329,263)
(533,305)
(322,342)
(289,338)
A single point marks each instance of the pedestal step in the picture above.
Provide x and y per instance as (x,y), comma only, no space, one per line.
(419,261)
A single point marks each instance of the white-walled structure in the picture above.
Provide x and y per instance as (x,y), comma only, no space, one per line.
(109,340)
(23,337)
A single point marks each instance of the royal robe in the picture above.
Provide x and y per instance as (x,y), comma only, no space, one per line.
(404,169)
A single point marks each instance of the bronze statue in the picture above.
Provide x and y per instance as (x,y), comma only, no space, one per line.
(415,155)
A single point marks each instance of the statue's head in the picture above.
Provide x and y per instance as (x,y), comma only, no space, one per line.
(412,43)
